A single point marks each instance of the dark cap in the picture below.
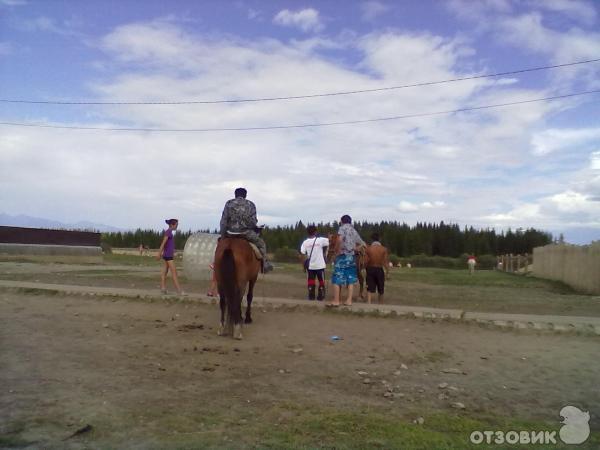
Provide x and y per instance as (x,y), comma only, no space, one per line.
(171,221)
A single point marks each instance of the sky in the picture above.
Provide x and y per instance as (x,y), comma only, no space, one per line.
(528,165)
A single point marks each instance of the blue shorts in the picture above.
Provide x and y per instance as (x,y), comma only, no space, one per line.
(344,270)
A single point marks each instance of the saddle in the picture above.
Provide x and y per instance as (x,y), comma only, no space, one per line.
(233,234)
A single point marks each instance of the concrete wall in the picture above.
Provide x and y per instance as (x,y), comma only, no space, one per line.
(43,236)
(578,266)
(51,253)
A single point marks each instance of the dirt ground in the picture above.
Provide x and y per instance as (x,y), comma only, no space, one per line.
(154,375)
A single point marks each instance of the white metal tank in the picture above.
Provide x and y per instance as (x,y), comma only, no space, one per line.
(198,255)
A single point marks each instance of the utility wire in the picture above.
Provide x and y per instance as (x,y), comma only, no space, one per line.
(307,125)
(296,97)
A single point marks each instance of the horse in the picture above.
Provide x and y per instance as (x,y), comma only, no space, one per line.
(359,258)
(236,267)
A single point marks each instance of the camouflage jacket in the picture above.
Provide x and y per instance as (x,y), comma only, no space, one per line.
(239,215)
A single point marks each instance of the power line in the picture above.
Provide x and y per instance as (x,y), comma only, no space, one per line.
(297,97)
(308,125)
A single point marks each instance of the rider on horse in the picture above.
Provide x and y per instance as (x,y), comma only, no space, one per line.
(239,218)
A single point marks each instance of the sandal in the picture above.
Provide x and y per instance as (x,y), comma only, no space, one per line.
(331,305)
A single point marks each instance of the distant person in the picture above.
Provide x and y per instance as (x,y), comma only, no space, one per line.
(471,261)
(167,253)
(141,249)
(344,269)
(314,248)
(377,268)
(239,216)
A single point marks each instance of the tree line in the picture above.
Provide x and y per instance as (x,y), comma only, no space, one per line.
(431,239)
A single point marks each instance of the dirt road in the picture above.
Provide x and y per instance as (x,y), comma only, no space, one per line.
(150,375)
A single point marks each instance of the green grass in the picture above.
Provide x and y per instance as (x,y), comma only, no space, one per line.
(479,278)
(288,425)
(302,428)
(453,277)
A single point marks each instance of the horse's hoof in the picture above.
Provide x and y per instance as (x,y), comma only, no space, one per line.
(248,320)
(221,330)
(237,332)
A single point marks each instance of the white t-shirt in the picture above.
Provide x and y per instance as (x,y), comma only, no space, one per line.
(317,261)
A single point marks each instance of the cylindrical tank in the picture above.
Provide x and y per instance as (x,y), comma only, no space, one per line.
(198,254)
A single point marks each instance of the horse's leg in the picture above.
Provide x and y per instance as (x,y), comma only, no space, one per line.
(236,316)
(223,305)
(249,297)
(237,322)
(361,281)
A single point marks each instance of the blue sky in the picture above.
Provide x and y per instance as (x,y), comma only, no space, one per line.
(536,164)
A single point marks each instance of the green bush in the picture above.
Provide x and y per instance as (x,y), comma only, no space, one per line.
(486,262)
(286,254)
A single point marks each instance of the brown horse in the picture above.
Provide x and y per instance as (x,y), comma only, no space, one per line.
(235,267)
(359,258)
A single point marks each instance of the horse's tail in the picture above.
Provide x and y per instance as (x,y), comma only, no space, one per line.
(230,287)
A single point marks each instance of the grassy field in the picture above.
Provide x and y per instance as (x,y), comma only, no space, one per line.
(485,291)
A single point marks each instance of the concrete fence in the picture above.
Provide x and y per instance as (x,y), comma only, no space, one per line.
(576,265)
(39,244)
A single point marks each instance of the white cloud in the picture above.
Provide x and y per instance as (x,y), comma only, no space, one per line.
(529,31)
(522,214)
(595,161)
(578,10)
(536,31)
(48,25)
(570,201)
(373,9)
(564,209)
(425,168)
(305,19)
(409,207)
(551,140)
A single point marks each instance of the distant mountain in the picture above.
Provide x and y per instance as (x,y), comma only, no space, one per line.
(38,222)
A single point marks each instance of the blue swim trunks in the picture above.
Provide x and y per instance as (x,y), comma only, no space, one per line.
(344,270)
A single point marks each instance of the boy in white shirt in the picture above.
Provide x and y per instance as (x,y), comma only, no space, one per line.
(314,248)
